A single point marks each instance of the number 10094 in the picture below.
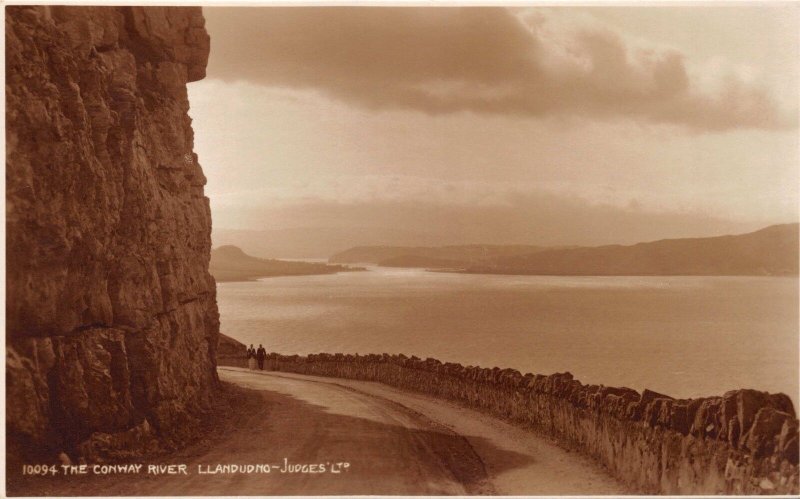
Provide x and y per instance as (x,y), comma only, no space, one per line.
(39,469)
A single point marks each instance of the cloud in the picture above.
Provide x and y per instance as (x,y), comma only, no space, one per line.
(461,212)
(538,217)
(363,190)
(483,60)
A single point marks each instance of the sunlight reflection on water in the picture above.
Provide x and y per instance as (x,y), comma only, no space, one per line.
(686,336)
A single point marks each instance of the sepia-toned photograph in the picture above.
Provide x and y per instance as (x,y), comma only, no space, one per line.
(377,249)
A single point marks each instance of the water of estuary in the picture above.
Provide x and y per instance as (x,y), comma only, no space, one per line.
(684,336)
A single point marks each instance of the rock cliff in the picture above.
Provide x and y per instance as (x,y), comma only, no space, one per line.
(231,352)
(744,442)
(111,313)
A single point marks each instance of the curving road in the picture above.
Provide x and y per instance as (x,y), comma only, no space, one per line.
(393,442)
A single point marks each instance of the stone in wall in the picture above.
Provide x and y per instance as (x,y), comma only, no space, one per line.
(111,313)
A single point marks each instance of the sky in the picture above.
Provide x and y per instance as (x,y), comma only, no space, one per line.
(539,125)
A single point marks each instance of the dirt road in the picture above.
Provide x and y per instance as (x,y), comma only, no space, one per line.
(363,438)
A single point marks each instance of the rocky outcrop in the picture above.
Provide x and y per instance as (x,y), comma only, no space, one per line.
(111,313)
(231,352)
(744,442)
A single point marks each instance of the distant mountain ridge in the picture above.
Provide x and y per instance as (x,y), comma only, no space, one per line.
(769,251)
(317,242)
(230,263)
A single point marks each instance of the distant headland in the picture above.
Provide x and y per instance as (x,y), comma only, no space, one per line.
(230,263)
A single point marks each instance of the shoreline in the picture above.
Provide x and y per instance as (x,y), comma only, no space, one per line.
(256,277)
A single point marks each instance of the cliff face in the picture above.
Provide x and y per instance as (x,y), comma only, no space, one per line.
(111,313)
(744,442)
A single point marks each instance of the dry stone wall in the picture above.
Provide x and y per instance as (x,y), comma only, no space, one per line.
(111,313)
(744,442)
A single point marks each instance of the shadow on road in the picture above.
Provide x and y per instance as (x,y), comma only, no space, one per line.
(385,458)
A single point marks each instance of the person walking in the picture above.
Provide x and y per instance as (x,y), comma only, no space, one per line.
(261,355)
(251,358)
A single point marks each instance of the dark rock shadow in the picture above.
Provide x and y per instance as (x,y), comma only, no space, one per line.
(385,459)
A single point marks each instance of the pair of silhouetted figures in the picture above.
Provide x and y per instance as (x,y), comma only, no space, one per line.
(254,356)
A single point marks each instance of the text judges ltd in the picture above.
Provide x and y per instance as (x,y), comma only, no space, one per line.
(183,469)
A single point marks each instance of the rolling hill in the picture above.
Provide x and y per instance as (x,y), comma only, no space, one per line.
(769,251)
